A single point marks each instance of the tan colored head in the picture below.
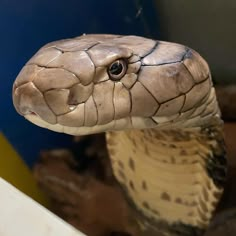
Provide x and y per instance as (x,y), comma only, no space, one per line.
(96,83)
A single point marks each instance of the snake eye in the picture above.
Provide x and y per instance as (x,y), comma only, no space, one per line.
(117,69)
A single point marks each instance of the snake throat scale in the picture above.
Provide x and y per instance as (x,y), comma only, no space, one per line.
(156,102)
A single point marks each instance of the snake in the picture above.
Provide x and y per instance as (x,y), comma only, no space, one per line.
(156,102)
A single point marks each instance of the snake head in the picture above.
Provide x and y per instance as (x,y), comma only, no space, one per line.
(96,83)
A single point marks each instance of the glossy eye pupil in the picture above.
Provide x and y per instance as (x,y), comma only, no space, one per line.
(117,69)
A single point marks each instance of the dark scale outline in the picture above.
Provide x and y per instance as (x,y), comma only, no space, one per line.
(87,49)
(91,95)
(128,88)
(42,93)
(76,106)
(43,97)
(55,47)
(165,63)
(113,103)
(158,104)
(95,108)
(201,103)
(154,121)
(53,67)
(172,62)
(84,113)
(162,103)
(61,67)
(92,84)
(151,50)
(71,49)
(191,89)
(31,80)
(94,72)
(194,84)
(57,115)
(131,104)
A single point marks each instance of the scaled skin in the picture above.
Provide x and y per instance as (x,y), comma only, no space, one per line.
(163,88)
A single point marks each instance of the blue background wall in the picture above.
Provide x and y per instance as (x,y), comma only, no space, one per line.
(27,25)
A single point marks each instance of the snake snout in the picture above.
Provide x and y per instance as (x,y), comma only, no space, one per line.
(29,101)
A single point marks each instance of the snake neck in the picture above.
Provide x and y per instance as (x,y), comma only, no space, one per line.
(173,178)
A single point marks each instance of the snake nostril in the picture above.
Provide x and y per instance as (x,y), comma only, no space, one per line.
(32,113)
(28,100)
(20,105)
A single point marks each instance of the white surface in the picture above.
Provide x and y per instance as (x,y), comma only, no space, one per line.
(20,215)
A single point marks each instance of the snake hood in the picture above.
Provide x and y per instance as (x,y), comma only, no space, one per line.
(96,83)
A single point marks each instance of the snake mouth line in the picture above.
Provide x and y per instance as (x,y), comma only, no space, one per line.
(120,124)
(129,122)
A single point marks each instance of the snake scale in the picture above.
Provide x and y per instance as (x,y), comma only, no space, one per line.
(156,102)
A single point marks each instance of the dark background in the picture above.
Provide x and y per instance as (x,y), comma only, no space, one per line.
(27,25)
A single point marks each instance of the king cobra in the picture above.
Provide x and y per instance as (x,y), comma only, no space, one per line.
(156,102)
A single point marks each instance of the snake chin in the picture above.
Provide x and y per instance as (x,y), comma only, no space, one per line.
(35,119)
(121,124)
(117,125)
